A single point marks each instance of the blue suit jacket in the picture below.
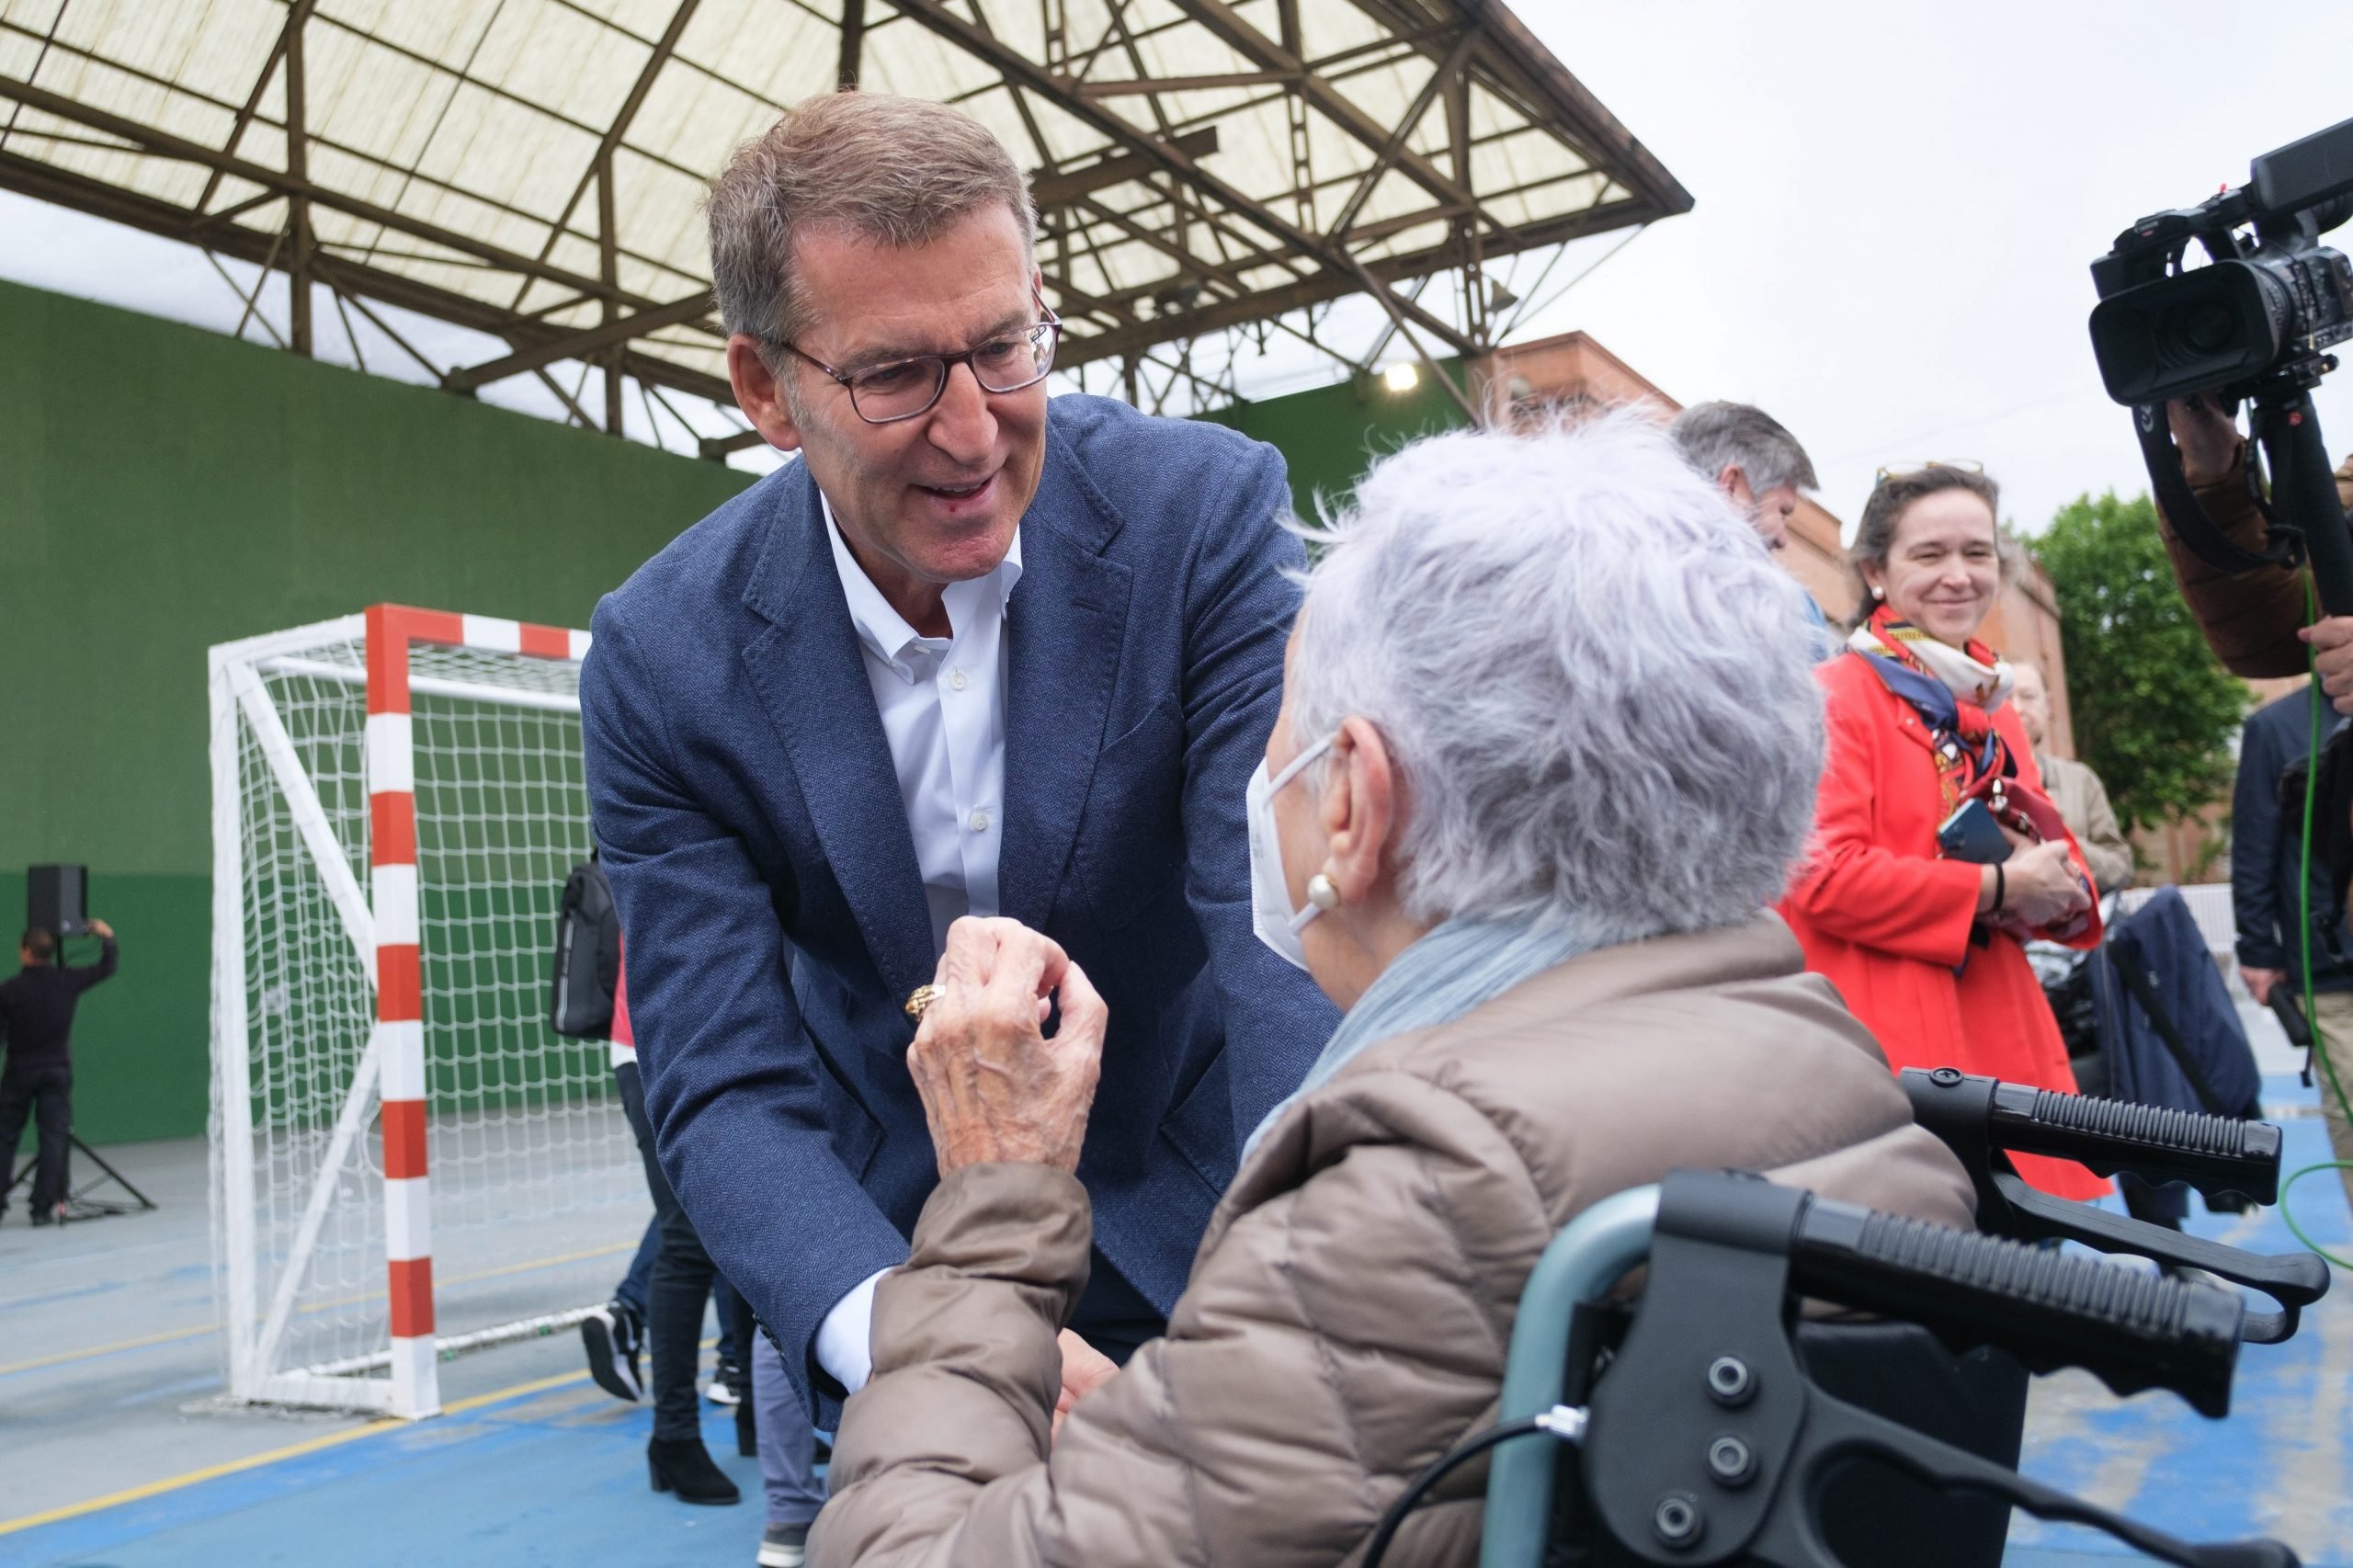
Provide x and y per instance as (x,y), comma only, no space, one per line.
(757,844)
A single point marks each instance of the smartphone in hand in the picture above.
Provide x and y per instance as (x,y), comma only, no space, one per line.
(1971,834)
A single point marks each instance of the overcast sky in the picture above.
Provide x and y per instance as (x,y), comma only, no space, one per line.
(1897,205)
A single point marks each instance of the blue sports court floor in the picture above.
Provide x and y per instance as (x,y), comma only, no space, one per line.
(109,1457)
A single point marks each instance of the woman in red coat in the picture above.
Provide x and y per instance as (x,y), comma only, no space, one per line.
(1926,947)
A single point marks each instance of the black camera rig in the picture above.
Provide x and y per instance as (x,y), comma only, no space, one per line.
(2253,325)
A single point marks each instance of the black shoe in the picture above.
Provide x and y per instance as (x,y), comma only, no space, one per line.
(610,1335)
(747,1431)
(685,1467)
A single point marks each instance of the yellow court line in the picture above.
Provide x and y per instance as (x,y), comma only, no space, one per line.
(292,1451)
(63,1357)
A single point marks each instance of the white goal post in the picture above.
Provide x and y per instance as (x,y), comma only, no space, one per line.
(397,799)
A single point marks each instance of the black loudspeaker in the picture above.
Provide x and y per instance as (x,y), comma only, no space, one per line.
(57,899)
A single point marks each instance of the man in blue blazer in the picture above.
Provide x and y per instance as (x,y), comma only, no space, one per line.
(975,653)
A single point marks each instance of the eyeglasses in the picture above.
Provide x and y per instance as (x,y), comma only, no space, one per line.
(1905,471)
(905,388)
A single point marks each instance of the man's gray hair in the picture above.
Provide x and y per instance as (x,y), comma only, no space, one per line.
(894,171)
(1717,436)
(1597,686)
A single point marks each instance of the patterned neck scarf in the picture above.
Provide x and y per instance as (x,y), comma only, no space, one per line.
(1956,692)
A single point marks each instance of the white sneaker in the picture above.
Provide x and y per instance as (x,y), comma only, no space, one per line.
(784,1546)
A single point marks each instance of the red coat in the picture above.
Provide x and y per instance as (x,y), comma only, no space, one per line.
(1887,923)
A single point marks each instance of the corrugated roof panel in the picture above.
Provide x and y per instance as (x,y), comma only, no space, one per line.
(482,117)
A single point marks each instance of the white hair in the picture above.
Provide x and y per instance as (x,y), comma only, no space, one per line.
(1596,684)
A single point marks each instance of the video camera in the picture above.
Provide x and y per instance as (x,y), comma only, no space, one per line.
(2254,324)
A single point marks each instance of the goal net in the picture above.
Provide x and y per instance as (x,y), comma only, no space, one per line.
(407,1161)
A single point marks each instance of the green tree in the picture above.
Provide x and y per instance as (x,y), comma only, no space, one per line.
(2153,709)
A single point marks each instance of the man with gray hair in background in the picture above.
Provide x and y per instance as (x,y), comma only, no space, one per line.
(1753,461)
(977,653)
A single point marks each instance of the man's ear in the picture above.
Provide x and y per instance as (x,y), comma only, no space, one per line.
(760,392)
(1360,808)
(1733,480)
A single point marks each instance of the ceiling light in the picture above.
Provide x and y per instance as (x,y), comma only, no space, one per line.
(1400,377)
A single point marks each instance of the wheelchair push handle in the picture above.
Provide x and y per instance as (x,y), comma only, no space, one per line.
(2134,1330)
(2216,1154)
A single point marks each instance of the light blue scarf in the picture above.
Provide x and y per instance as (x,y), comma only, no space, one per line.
(1452,969)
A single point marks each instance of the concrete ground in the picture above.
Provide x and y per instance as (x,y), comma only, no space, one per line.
(2282,1465)
(115,1452)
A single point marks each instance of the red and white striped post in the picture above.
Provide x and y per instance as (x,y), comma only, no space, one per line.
(399,1000)
(400,991)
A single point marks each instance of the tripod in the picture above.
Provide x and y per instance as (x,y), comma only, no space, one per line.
(81,1202)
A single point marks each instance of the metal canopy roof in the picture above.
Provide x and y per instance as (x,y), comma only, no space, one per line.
(533,169)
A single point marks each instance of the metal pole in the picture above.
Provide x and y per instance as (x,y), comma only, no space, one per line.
(297,205)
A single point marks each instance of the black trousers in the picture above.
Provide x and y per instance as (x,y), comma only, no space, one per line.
(47,1093)
(683,1280)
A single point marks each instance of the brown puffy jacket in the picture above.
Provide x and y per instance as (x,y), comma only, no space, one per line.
(2250,618)
(1348,1311)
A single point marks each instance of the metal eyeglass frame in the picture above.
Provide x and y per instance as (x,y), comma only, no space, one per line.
(1052,326)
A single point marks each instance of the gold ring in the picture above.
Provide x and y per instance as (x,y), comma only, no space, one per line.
(921,997)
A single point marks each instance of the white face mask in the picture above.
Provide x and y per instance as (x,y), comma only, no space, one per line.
(1271,916)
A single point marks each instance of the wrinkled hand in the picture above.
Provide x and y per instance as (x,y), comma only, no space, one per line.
(2209,438)
(1085,1369)
(2041,886)
(2259,982)
(2331,641)
(994,1088)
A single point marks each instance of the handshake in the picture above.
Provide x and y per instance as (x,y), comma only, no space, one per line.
(997,1087)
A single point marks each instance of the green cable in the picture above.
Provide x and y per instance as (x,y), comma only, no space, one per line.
(2305,934)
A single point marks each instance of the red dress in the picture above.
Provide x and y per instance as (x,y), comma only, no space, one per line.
(1888,922)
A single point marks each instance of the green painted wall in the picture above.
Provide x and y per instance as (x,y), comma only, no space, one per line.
(164,488)
(1329,436)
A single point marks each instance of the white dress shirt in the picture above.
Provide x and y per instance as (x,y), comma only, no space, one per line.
(942,704)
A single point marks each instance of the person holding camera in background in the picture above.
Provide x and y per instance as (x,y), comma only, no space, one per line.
(37,1027)
(2254,621)
(2257,623)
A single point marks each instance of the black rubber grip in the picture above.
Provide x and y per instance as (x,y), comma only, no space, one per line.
(2133,1328)
(2212,1154)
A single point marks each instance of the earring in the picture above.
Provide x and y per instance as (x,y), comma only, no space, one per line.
(1322,893)
(1878,593)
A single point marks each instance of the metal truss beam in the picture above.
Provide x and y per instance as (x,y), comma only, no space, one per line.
(160,143)
(45,182)
(1052,190)
(1177,84)
(935,16)
(601,164)
(1246,40)
(579,344)
(1269,303)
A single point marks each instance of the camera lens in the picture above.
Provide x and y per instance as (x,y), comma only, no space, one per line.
(2208,327)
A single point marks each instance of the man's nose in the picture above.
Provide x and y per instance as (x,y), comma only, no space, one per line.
(962,424)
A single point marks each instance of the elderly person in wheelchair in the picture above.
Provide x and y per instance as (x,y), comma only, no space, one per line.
(1547,752)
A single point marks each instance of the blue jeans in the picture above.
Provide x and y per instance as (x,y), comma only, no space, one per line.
(788,1445)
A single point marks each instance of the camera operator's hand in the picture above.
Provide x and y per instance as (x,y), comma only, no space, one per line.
(2209,438)
(101,930)
(2039,887)
(2259,982)
(2332,643)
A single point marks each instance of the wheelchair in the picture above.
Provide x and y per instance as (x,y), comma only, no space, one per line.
(1716,1423)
